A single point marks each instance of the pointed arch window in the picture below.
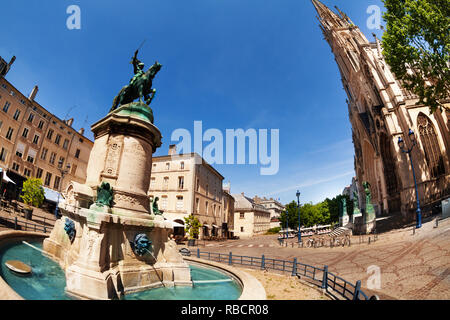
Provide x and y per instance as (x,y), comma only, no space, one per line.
(433,154)
(389,165)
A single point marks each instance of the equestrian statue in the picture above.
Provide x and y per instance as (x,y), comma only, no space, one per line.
(140,85)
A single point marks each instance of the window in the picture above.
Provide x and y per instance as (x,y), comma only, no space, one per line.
(58,139)
(207,191)
(41,124)
(44,153)
(56,184)
(15,167)
(65,144)
(242,229)
(182,165)
(9,133)
(152,183)
(197,204)
(30,159)
(74,169)
(206,207)
(3,155)
(166,183)
(180,182)
(180,203)
(16,114)
(27,172)
(48,179)
(1,123)
(167,166)
(6,106)
(433,154)
(49,134)
(30,117)
(77,154)
(164,202)
(197,187)
(25,132)
(19,153)
(242,215)
(36,139)
(39,173)
(52,158)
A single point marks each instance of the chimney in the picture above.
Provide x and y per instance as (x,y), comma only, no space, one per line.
(33,93)
(81,131)
(69,122)
(172,150)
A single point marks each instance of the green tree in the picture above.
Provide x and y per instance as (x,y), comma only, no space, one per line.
(417,38)
(33,192)
(334,205)
(291,214)
(192,226)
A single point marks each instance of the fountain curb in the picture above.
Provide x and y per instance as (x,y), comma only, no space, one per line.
(6,292)
(252,289)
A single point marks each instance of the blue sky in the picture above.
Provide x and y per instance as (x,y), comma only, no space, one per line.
(228,63)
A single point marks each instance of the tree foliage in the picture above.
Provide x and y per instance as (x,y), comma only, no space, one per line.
(416,45)
(33,192)
(322,213)
(192,226)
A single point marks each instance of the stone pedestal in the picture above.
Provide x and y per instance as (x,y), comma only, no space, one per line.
(100,261)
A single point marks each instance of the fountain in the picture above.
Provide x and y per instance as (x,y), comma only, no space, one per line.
(109,241)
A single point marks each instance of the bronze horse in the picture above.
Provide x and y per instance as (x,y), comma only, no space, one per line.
(142,87)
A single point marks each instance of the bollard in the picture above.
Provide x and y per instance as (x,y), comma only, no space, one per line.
(294,267)
(198,253)
(230,259)
(369,241)
(437,222)
(414,230)
(15,223)
(325,278)
(263,262)
(45,229)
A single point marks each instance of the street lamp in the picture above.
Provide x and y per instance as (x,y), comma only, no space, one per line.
(401,144)
(63,173)
(298,206)
(287,225)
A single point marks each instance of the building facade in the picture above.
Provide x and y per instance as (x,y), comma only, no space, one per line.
(186,184)
(274,207)
(250,218)
(36,143)
(381,111)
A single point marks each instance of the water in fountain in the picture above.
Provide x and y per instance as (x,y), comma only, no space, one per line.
(47,281)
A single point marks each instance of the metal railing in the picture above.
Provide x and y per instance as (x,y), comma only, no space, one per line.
(321,276)
(17,224)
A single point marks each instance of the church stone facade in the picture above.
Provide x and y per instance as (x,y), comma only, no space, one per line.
(381,111)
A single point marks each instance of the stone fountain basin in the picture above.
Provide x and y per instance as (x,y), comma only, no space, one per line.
(251,287)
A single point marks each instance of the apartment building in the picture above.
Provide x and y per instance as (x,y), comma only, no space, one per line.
(250,218)
(186,184)
(36,143)
(274,207)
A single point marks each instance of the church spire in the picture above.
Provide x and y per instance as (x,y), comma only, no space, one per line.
(330,20)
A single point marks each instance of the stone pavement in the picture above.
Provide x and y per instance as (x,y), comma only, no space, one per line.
(412,266)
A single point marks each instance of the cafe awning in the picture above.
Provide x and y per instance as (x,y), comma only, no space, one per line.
(5,177)
(177,225)
(207,226)
(52,195)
